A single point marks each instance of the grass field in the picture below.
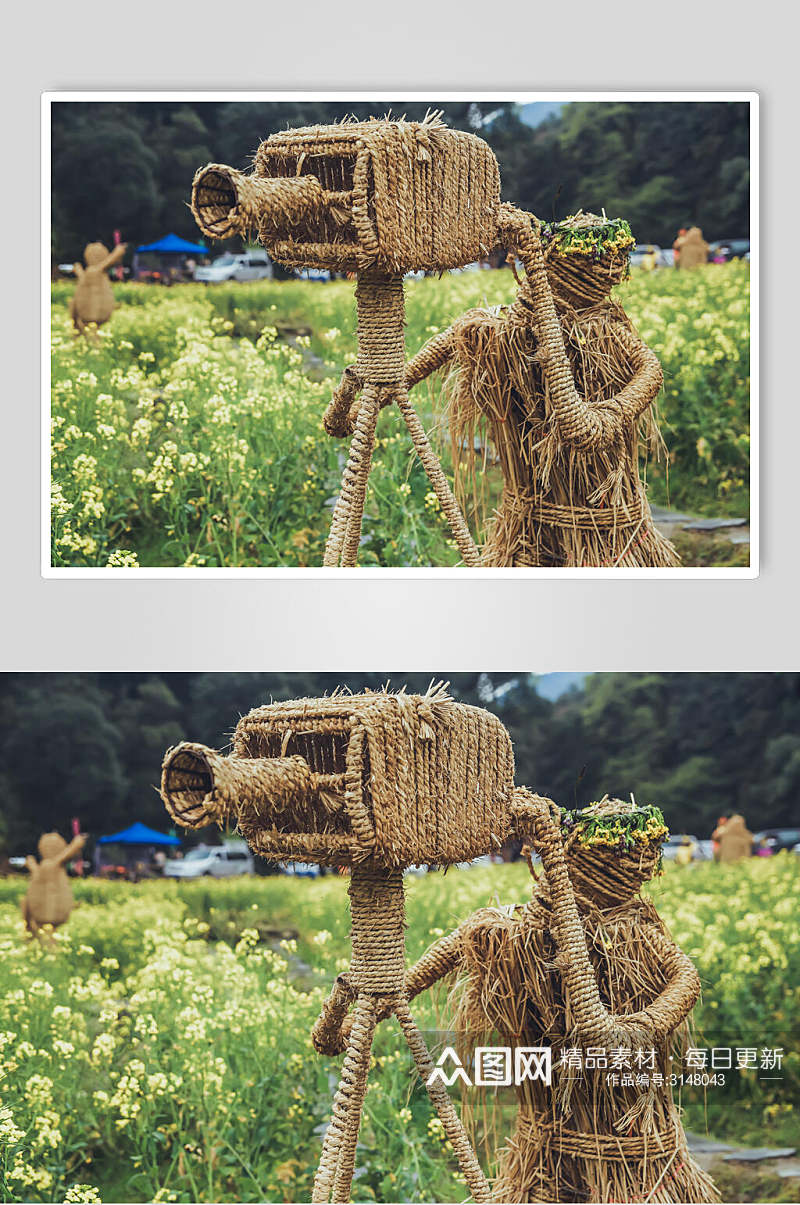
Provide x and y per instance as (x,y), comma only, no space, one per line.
(161,1051)
(192,434)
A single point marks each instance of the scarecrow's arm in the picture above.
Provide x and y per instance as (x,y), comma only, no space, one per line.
(673,1005)
(643,388)
(580,423)
(332,1028)
(30,863)
(431,356)
(78,270)
(72,850)
(438,960)
(113,257)
(340,417)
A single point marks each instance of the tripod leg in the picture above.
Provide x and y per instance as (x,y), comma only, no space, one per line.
(444,1106)
(430,463)
(345,530)
(335,1172)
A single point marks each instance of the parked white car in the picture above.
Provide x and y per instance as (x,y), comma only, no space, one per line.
(248,265)
(218,861)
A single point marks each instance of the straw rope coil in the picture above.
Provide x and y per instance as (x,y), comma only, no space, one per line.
(377,963)
(226,202)
(590,1145)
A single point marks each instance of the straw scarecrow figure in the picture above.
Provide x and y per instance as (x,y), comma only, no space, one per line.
(563,387)
(92,303)
(692,249)
(559,377)
(735,839)
(49,898)
(586,963)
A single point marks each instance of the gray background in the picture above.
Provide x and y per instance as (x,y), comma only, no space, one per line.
(411,623)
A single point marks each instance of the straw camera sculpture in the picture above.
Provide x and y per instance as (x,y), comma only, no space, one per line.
(377,782)
(560,378)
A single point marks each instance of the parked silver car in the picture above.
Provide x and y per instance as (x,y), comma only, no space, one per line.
(247,265)
(218,861)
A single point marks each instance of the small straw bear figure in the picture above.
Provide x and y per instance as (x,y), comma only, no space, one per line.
(49,898)
(692,248)
(92,303)
(562,385)
(587,962)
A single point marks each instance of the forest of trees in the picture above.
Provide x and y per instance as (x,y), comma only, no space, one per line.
(662,165)
(698,745)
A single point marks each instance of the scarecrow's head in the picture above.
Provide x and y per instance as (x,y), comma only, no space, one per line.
(613,847)
(51,845)
(586,256)
(95,253)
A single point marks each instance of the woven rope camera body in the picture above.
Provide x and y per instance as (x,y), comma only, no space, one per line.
(392,779)
(401,196)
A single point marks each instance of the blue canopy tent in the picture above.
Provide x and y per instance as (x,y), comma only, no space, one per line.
(135,840)
(167,253)
(138,834)
(170,244)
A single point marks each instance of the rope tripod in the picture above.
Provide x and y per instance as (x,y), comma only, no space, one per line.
(380,376)
(375,985)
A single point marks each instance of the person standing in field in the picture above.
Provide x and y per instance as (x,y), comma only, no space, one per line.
(735,839)
(693,249)
(685,852)
(676,247)
(649,260)
(714,840)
